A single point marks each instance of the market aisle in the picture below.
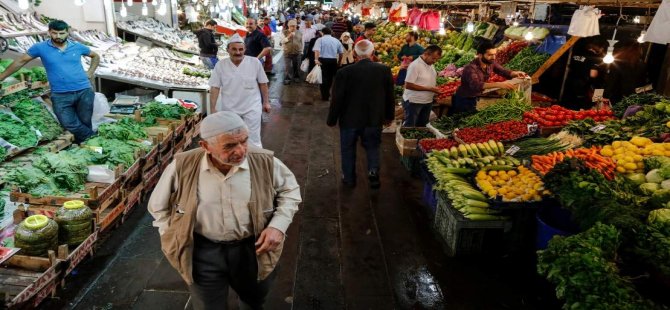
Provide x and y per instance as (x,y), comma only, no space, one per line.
(354,249)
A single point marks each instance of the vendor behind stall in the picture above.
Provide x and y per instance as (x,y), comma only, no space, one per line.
(71,90)
(475,75)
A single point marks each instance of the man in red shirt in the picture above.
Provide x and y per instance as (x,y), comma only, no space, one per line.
(267,31)
(370,29)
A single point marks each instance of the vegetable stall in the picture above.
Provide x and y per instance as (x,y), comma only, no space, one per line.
(58,198)
(596,182)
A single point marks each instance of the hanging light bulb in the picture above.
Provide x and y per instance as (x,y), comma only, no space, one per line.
(205,2)
(145,10)
(442,31)
(24,4)
(129,3)
(529,36)
(397,23)
(636,19)
(194,1)
(217,8)
(415,28)
(640,39)
(154,2)
(470,27)
(609,57)
(123,12)
(198,7)
(79,2)
(515,23)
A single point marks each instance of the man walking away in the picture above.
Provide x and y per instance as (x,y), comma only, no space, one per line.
(420,87)
(362,103)
(238,84)
(292,43)
(222,211)
(327,52)
(256,43)
(208,45)
(71,91)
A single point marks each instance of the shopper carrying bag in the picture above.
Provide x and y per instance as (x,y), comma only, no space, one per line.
(314,77)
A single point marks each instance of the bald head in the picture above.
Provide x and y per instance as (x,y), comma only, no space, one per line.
(364,49)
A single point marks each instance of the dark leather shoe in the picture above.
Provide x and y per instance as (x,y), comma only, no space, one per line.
(373,177)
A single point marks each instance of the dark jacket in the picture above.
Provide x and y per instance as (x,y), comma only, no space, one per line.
(207,42)
(362,96)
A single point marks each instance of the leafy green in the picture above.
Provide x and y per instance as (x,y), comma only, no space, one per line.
(635,99)
(527,60)
(124,129)
(116,151)
(652,248)
(16,132)
(583,268)
(68,171)
(153,110)
(656,162)
(33,181)
(465,59)
(35,114)
(3,154)
(39,74)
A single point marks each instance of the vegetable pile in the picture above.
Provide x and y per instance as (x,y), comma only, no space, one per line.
(123,129)
(428,145)
(16,132)
(35,114)
(466,199)
(559,116)
(154,109)
(590,156)
(520,185)
(410,133)
(502,131)
(527,61)
(464,158)
(537,146)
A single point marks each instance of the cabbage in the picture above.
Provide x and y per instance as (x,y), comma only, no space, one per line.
(656,162)
(660,198)
(637,178)
(665,184)
(649,188)
(654,176)
(660,219)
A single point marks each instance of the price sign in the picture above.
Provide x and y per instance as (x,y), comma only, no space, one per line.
(512,150)
(598,128)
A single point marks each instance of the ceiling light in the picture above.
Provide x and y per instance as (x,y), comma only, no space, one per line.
(129,3)
(24,4)
(470,27)
(123,12)
(528,36)
(145,10)
(442,31)
(79,2)
(640,39)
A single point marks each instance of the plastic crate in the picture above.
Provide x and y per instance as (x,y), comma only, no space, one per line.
(430,197)
(462,236)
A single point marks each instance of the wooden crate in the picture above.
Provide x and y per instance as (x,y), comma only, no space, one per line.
(133,197)
(26,280)
(36,85)
(14,88)
(133,175)
(95,196)
(76,256)
(105,219)
(150,177)
(408,147)
(179,145)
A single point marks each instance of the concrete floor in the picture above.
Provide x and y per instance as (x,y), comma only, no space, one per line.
(346,249)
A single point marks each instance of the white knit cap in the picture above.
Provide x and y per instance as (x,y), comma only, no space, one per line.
(236,39)
(220,123)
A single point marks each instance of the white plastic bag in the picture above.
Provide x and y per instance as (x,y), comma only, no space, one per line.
(314,77)
(584,22)
(658,30)
(100,174)
(304,66)
(100,109)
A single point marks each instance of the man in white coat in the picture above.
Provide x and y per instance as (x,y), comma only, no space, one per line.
(239,84)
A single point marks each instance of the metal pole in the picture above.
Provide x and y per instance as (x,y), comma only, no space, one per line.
(565,75)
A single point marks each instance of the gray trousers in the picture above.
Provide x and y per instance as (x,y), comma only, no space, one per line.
(291,66)
(218,266)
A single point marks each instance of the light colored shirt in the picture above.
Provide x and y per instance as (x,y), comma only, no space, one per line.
(422,74)
(223,211)
(239,91)
(307,33)
(328,47)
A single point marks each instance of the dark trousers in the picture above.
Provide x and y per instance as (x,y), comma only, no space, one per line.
(217,266)
(74,111)
(417,114)
(291,66)
(462,104)
(328,70)
(371,137)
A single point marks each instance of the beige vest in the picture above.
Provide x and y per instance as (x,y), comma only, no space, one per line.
(177,241)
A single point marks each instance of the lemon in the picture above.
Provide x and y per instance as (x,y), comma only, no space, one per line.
(630,166)
(637,157)
(606,152)
(619,151)
(620,169)
(616,144)
(667,124)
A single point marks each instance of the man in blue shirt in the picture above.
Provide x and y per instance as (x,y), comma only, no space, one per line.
(327,53)
(71,92)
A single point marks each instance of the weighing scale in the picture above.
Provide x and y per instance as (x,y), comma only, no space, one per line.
(125,104)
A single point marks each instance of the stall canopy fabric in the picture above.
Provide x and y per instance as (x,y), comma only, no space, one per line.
(658,29)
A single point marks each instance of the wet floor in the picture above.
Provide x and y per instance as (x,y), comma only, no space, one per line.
(346,249)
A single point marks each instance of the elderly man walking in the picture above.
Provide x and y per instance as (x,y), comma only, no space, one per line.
(239,84)
(222,211)
(327,53)
(362,103)
(293,46)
